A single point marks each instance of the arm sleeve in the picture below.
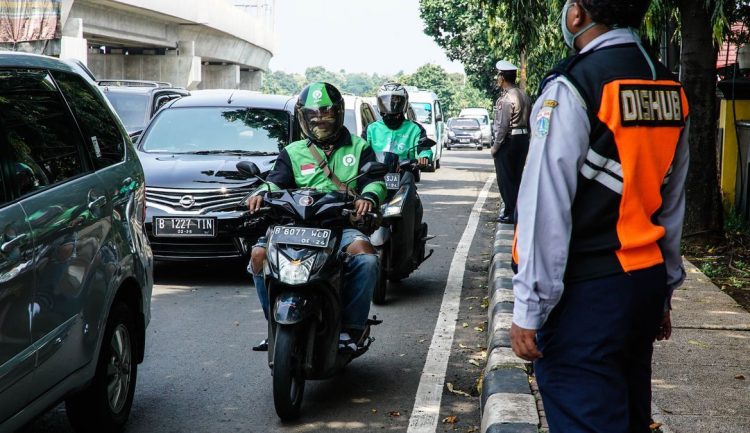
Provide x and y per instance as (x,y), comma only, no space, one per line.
(282,174)
(548,186)
(364,133)
(422,138)
(371,188)
(502,123)
(672,216)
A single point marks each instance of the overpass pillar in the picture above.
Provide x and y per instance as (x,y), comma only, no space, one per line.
(220,77)
(250,80)
(72,43)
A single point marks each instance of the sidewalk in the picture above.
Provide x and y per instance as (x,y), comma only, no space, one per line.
(701,376)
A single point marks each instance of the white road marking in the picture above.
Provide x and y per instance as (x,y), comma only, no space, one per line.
(424,415)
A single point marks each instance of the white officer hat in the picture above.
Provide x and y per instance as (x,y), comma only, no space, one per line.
(504,65)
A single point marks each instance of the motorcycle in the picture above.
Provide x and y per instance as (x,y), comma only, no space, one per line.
(303,274)
(400,245)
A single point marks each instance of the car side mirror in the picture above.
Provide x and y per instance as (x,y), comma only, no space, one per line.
(374,169)
(135,136)
(248,169)
(439,118)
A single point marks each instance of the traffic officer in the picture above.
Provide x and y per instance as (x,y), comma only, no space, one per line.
(511,140)
(327,155)
(600,215)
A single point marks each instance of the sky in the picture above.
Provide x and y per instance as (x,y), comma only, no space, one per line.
(371,36)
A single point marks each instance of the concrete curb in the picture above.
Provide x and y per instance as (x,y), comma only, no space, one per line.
(506,403)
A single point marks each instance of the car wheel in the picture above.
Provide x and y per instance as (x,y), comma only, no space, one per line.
(479,148)
(104,406)
(437,164)
(447,148)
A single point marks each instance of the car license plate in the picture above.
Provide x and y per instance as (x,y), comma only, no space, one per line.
(185,227)
(307,237)
(464,140)
(392,180)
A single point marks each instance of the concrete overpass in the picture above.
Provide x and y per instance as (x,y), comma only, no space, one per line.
(198,44)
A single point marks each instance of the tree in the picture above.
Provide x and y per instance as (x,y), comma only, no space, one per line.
(433,77)
(282,83)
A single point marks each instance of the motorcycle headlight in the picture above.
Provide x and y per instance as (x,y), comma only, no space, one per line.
(294,272)
(394,206)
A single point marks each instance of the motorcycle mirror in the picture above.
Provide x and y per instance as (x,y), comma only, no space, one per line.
(248,169)
(374,169)
(426,144)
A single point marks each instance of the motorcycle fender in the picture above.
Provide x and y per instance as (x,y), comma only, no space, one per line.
(380,237)
(293,308)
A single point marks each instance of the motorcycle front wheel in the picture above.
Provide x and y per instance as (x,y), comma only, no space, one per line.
(288,381)
(378,295)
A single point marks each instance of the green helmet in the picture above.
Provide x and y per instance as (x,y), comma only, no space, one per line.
(320,112)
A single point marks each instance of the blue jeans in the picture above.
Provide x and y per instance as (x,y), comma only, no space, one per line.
(360,277)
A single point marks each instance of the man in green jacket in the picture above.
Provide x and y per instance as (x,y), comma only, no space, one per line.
(340,155)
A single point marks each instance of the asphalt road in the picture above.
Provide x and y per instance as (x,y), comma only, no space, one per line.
(201,376)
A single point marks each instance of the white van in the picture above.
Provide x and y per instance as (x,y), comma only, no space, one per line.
(485,124)
(426,106)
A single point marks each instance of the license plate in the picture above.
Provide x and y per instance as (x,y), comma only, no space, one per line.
(464,140)
(185,227)
(392,180)
(306,237)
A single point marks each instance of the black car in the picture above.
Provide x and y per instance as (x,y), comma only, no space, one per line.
(464,132)
(136,102)
(189,152)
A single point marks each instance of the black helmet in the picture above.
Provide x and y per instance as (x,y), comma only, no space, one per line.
(320,112)
(392,99)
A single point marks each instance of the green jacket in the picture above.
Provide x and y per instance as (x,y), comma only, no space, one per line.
(402,141)
(297,168)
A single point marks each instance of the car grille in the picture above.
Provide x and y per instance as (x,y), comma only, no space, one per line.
(190,249)
(196,201)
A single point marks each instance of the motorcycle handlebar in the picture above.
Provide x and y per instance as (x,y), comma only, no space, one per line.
(348,212)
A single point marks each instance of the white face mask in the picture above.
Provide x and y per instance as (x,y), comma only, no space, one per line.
(570,38)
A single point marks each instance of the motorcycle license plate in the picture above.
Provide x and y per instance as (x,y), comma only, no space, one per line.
(184,227)
(306,237)
(392,180)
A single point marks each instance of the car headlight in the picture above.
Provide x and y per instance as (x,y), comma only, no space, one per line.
(451,134)
(294,272)
(478,134)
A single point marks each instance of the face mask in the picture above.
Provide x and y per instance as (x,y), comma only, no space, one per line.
(570,38)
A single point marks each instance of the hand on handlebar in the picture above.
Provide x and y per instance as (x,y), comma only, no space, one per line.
(362,207)
(423,162)
(254,203)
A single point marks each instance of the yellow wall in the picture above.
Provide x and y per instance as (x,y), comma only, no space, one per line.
(729,146)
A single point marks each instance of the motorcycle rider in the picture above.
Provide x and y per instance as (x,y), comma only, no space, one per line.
(396,134)
(328,155)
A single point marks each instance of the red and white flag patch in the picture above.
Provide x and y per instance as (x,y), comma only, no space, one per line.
(307,169)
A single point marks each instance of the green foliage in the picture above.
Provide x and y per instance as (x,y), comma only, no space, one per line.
(453,90)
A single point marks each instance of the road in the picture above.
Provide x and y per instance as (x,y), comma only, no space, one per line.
(201,376)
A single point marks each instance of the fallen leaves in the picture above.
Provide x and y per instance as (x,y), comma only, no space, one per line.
(453,390)
(450,419)
(394,413)
(655,425)
(740,377)
(474,362)
(465,325)
(486,302)
(700,344)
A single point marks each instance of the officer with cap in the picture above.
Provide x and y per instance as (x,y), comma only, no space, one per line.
(511,140)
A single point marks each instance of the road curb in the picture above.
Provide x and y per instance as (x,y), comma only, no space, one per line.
(507,404)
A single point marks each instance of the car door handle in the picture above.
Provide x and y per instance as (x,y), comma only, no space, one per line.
(13,243)
(97,202)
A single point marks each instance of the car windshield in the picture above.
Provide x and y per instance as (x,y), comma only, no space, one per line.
(350,120)
(131,107)
(465,123)
(423,111)
(484,120)
(217,130)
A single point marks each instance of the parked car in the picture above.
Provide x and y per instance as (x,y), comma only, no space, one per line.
(137,101)
(189,152)
(75,262)
(358,114)
(464,132)
(483,116)
(429,113)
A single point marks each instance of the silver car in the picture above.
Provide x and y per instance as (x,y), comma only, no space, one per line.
(75,263)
